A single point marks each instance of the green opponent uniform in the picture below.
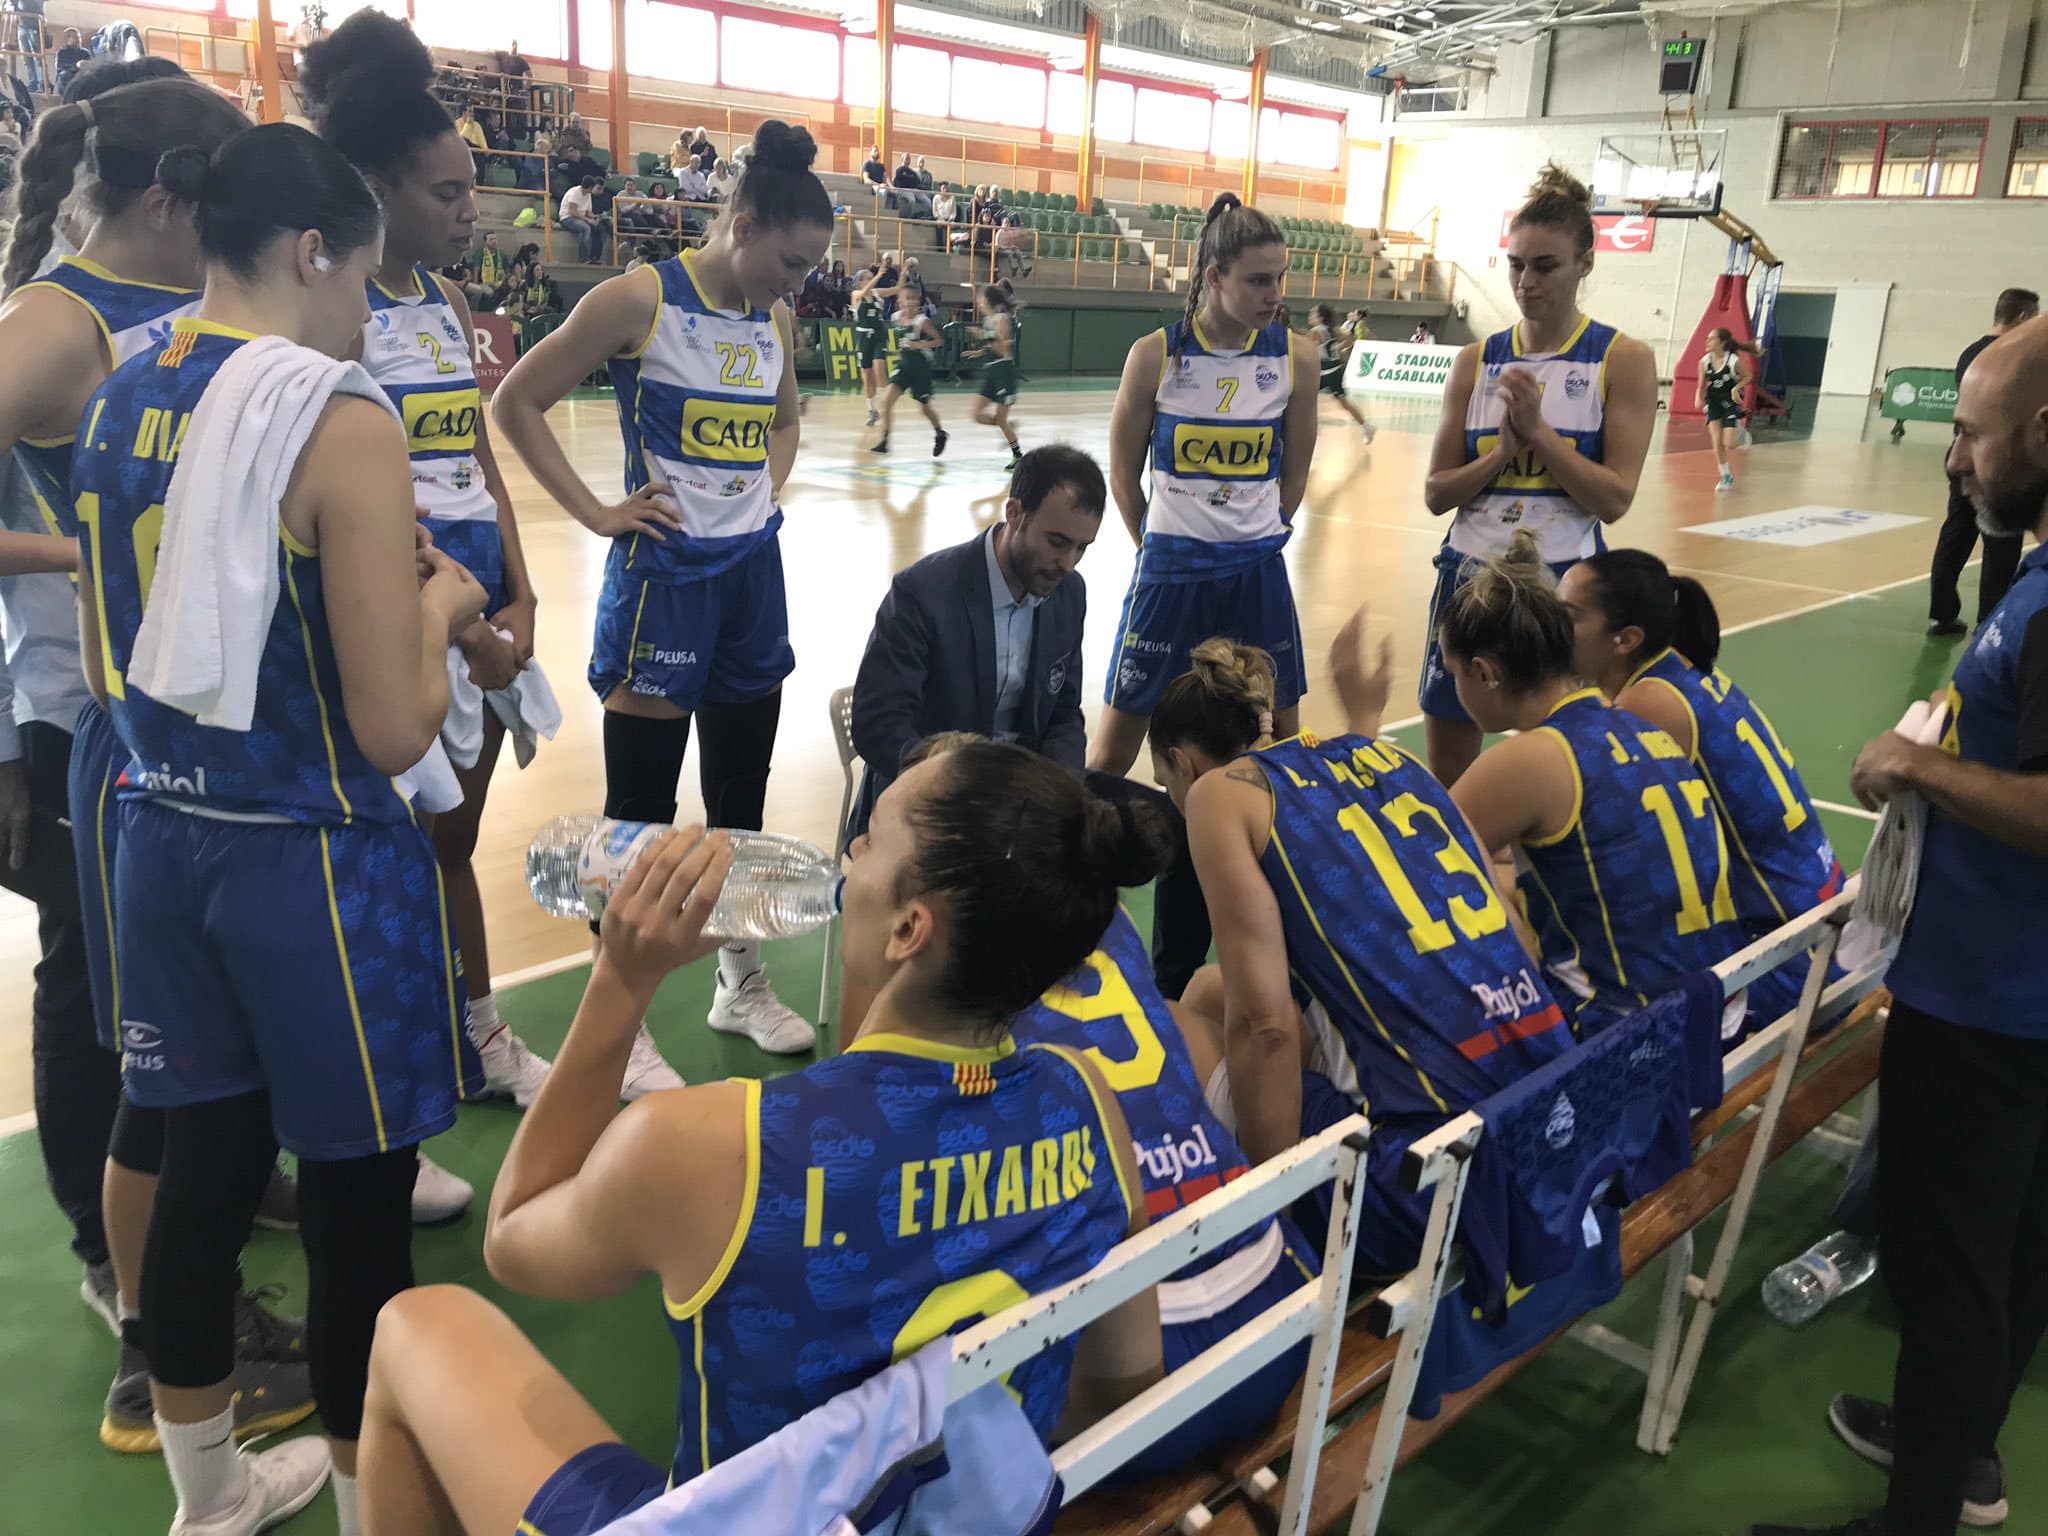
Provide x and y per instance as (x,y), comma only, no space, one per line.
(867,329)
(913,365)
(1719,384)
(1330,350)
(999,374)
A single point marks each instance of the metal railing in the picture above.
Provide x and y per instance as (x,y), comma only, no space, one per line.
(725,125)
(1030,253)
(198,52)
(544,221)
(532,106)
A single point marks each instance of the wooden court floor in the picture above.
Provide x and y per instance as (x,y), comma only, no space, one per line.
(854,518)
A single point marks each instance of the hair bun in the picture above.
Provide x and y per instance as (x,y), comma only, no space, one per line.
(369,51)
(780,146)
(1123,842)
(1555,181)
(183,172)
(1224,201)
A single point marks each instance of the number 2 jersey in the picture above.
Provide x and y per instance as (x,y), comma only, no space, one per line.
(415,348)
(1113,1013)
(1633,894)
(894,1193)
(1393,925)
(298,759)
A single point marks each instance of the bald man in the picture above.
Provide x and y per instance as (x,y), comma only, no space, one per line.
(1963,1140)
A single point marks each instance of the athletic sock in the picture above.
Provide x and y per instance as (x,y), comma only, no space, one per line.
(483,1020)
(347,1521)
(206,1473)
(128,1312)
(736,962)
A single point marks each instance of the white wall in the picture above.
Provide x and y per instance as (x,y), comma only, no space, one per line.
(1946,260)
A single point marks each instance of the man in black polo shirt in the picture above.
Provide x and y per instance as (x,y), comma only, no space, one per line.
(1960,528)
(1963,1140)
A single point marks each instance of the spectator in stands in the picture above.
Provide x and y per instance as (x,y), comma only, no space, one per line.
(573,137)
(1010,247)
(472,133)
(700,145)
(518,93)
(723,179)
(533,168)
(945,209)
(30,38)
(841,290)
(924,174)
(876,175)
(913,201)
(1355,326)
(488,265)
(691,184)
(579,216)
(71,57)
(914,281)
(985,224)
(1963,1135)
(1423,336)
(811,298)
(679,152)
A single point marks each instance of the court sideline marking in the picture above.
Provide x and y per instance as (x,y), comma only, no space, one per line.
(14,1125)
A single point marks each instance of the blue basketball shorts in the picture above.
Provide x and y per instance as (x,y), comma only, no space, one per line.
(1251,1405)
(590,1490)
(1391,1220)
(313,963)
(1438,695)
(722,640)
(97,757)
(1163,622)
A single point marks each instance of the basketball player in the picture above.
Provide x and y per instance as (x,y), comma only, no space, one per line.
(286,973)
(1649,640)
(1223,405)
(916,340)
(1626,868)
(1544,429)
(1334,351)
(871,335)
(1719,396)
(366,86)
(63,332)
(815,1229)
(1343,865)
(692,620)
(999,370)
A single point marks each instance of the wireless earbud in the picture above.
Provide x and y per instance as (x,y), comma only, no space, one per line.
(322,263)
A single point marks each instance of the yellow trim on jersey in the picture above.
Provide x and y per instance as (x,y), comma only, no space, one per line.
(194,325)
(633,645)
(1728,824)
(703,1397)
(94,269)
(1124,617)
(1578,789)
(528,1528)
(295,544)
(1208,346)
(1606,919)
(1515,339)
(682,1310)
(1165,357)
(106,332)
(1134,1195)
(1308,909)
(399,298)
(1578,950)
(348,983)
(291,582)
(1642,671)
(51,442)
(99,842)
(447,972)
(934,1050)
(653,325)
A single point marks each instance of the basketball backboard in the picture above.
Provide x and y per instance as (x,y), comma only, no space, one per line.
(1667,174)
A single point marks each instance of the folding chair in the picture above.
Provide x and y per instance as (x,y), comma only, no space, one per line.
(841,707)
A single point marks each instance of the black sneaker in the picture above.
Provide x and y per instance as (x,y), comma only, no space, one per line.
(881,447)
(938,442)
(1867,1525)
(1865,1426)
(1943,628)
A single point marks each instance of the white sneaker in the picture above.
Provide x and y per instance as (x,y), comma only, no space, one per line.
(1725,483)
(646,1070)
(511,1069)
(752,1009)
(282,1481)
(873,415)
(1370,432)
(437,1195)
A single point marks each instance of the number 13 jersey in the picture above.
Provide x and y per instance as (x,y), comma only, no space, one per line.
(1394,927)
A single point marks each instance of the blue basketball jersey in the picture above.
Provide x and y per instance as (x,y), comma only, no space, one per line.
(1394,927)
(1784,864)
(1218,436)
(696,401)
(131,317)
(1525,495)
(414,347)
(895,1193)
(298,759)
(1633,894)
(1113,1012)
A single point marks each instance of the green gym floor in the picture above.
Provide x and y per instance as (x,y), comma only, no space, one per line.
(1552,1452)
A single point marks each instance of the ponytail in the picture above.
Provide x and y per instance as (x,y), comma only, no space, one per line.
(1633,588)
(1508,609)
(1222,704)
(778,188)
(118,136)
(1559,200)
(1232,229)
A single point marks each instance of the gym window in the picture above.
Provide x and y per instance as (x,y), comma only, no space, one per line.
(2028,174)
(1900,158)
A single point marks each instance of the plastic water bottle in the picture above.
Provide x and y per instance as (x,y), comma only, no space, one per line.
(1796,1293)
(779,886)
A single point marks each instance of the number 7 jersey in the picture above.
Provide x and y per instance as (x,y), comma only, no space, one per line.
(1394,927)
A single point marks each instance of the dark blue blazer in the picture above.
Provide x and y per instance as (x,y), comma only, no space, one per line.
(930,666)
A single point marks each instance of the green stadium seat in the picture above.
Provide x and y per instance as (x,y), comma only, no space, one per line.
(1068,202)
(1098,207)
(603,157)
(1027,199)
(647,164)
(615,184)
(503,176)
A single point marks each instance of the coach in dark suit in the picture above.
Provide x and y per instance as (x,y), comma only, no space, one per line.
(986,637)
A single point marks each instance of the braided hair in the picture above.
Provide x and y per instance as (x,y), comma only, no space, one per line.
(1231,230)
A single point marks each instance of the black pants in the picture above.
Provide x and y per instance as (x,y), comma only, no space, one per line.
(77,1082)
(1963,1200)
(1180,915)
(1959,535)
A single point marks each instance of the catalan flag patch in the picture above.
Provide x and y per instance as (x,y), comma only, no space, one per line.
(973,1078)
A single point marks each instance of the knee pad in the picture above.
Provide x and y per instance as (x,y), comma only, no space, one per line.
(643,760)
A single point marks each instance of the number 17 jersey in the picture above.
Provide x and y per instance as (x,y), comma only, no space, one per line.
(1394,927)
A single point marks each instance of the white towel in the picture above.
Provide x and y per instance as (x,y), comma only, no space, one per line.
(526,706)
(1891,865)
(209,609)
(430,783)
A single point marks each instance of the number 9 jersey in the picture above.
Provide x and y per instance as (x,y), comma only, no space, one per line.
(1394,927)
